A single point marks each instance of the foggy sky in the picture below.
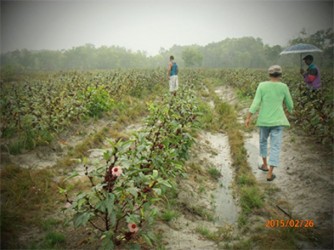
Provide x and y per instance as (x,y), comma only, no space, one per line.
(148,25)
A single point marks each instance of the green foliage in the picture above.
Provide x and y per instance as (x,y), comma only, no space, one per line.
(192,57)
(55,238)
(98,102)
(214,173)
(147,164)
(250,198)
(221,234)
(245,52)
(245,179)
(168,215)
(33,112)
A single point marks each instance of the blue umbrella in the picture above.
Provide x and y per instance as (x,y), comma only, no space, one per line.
(300,48)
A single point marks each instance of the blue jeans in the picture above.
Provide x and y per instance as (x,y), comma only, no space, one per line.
(275,134)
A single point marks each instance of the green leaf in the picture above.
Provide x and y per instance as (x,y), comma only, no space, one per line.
(81,202)
(107,243)
(157,191)
(147,239)
(110,203)
(165,183)
(85,160)
(62,190)
(107,155)
(134,246)
(81,219)
(125,146)
(101,206)
(73,174)
(133,191)
(155,174)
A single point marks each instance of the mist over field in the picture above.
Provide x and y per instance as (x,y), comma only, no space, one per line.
(97,34)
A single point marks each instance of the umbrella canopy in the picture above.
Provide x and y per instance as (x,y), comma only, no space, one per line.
(301,49)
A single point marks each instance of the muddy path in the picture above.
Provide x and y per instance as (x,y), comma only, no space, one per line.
(212,196)
(304,180)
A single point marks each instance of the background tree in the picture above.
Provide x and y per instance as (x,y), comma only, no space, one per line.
(192,57)
(245,52)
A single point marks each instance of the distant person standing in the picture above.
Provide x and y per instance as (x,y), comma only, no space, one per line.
(312,74)
(269,98)
(172,75)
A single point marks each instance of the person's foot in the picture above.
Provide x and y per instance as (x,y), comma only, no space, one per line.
(271,178)
(264,167)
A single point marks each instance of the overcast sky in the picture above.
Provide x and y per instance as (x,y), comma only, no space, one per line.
(148,25)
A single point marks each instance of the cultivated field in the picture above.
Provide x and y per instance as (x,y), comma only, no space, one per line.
(111,160)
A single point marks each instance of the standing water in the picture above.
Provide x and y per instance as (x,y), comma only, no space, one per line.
(226,210)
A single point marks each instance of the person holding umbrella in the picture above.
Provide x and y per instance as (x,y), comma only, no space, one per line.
(312,74)
(269,98)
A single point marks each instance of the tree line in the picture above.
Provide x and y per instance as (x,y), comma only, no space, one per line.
(246,52)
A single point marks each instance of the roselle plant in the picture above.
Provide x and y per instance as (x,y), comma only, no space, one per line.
(38,109)
(121,203)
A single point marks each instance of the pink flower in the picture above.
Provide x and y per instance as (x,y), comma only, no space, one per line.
(116,171)
(133,227)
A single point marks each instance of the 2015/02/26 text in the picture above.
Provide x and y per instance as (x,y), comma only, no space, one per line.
(289,223)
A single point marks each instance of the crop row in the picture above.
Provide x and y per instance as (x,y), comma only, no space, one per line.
(34,111)
(121,203)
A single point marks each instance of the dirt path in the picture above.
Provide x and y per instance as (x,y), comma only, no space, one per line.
(211,150)
(47,156)
(304,179)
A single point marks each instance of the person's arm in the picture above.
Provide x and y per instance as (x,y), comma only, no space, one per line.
(168,71)
(288,100)
(248,119)
(254,107)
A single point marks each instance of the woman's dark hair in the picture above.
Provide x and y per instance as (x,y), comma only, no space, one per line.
(275,74)
(171,57)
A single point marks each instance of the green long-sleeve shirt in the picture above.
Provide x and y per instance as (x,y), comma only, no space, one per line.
(269,98)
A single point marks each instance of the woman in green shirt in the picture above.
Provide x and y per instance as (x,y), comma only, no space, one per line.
(269,97)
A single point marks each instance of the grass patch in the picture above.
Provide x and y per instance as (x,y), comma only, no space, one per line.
(196,168)
(245,244)
(246,179)
(27,195)
(214,173)
(207,121)
(250,198)
(201,212)
(55,239)
(206,233)
(221,234)
(168,215)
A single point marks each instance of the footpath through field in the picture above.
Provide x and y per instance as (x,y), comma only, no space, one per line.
(304,183)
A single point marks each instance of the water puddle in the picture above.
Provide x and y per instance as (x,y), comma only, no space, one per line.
(226,207)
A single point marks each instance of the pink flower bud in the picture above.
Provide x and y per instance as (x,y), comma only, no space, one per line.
(116,171)
(133,227)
